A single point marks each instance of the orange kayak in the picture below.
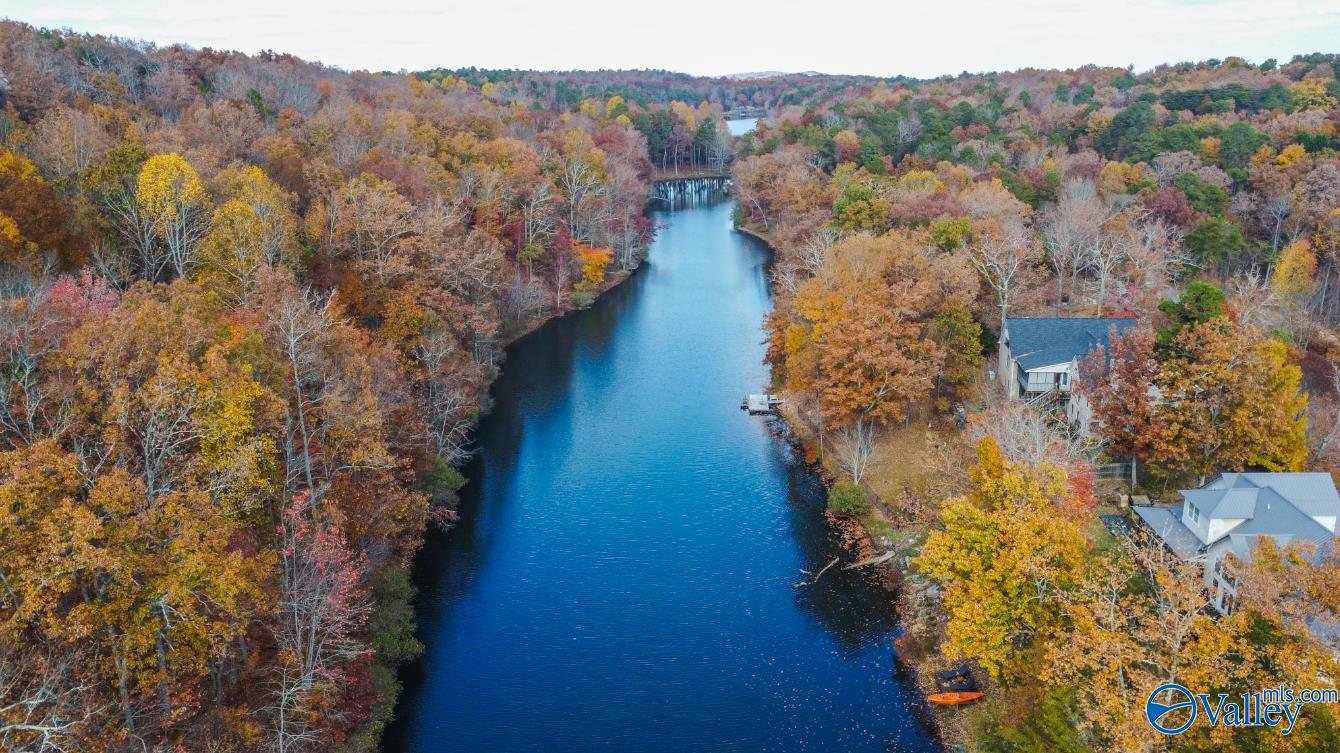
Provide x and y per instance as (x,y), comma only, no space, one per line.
(954,699)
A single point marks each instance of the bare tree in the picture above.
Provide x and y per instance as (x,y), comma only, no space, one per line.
(374,218)
(1071,233)
(321,607)
(1156,255)
(136,227)
(31,407)
(581,185)
(448,396)
(854,443)
(1000,254)
(1107,257)
(1026,434)
(43,704)
(162,421)
(537,219)
(910,128)
(298,323)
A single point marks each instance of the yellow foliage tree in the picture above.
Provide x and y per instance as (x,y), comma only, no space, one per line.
(254,229)
(170,192)
(593,261)
(1229,399)
(1209,148)
(14,165)
(1311,94)
(1292,284)
(920,182)
(1005,552)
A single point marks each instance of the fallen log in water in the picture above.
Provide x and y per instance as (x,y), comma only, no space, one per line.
(819,575)
(885,557)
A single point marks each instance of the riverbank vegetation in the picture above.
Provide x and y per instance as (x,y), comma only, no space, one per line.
(912,218)
(250,308)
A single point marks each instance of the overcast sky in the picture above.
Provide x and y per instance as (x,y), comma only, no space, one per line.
(882,37)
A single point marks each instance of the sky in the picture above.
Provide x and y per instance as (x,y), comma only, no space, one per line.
(711,37)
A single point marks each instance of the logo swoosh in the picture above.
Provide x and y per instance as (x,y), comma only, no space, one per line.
(1155,710)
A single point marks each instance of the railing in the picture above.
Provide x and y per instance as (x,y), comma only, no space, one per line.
(1047,386)
(1115,471)
(1044,400)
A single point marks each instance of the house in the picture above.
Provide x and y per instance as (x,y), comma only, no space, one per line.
(1234,511)
(1039,358)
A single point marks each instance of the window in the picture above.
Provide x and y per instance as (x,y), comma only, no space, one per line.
(1192,513)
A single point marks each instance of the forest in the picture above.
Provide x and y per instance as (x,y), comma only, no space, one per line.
(1202,201)
(252,305)
(250,309)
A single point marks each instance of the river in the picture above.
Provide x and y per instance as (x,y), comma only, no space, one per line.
(622,576)
(741,126)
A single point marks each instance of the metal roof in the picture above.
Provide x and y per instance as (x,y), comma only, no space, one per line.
(1046,341)
(1252,495)
(1166,522)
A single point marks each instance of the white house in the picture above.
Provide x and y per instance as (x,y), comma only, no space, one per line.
(1039,358)
(1234,511)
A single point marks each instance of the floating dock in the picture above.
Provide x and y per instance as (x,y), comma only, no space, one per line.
(760,404)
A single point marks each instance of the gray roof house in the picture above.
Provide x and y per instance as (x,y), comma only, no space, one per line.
(1039,357)
(1234,511)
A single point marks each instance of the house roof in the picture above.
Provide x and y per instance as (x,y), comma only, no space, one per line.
(1046,341)
(1248,495)
(1166,523)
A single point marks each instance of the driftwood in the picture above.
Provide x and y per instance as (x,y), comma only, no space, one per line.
(817,576)
(885,557)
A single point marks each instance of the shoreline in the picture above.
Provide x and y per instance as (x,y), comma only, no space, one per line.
(918,654)
(877,692)
(524,329)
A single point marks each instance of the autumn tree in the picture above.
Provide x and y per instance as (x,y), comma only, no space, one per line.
(1229,407)
(1141,617)
(1224,398)
(858,335)
(35,228)
(1001,247)
(169,193)
(1006,553)
(1138,617)
(321,606)
(253,229)
(593,263)
(1116,385)
(157,586)
(1292,285)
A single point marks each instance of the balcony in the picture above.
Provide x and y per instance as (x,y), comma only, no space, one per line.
(1039,383)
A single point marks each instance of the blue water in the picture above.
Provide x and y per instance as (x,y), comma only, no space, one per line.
(741,126)
(622,578)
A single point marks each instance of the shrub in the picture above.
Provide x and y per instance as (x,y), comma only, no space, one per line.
(848,500)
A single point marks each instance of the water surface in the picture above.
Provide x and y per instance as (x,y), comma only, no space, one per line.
(741,126)
(622,578)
